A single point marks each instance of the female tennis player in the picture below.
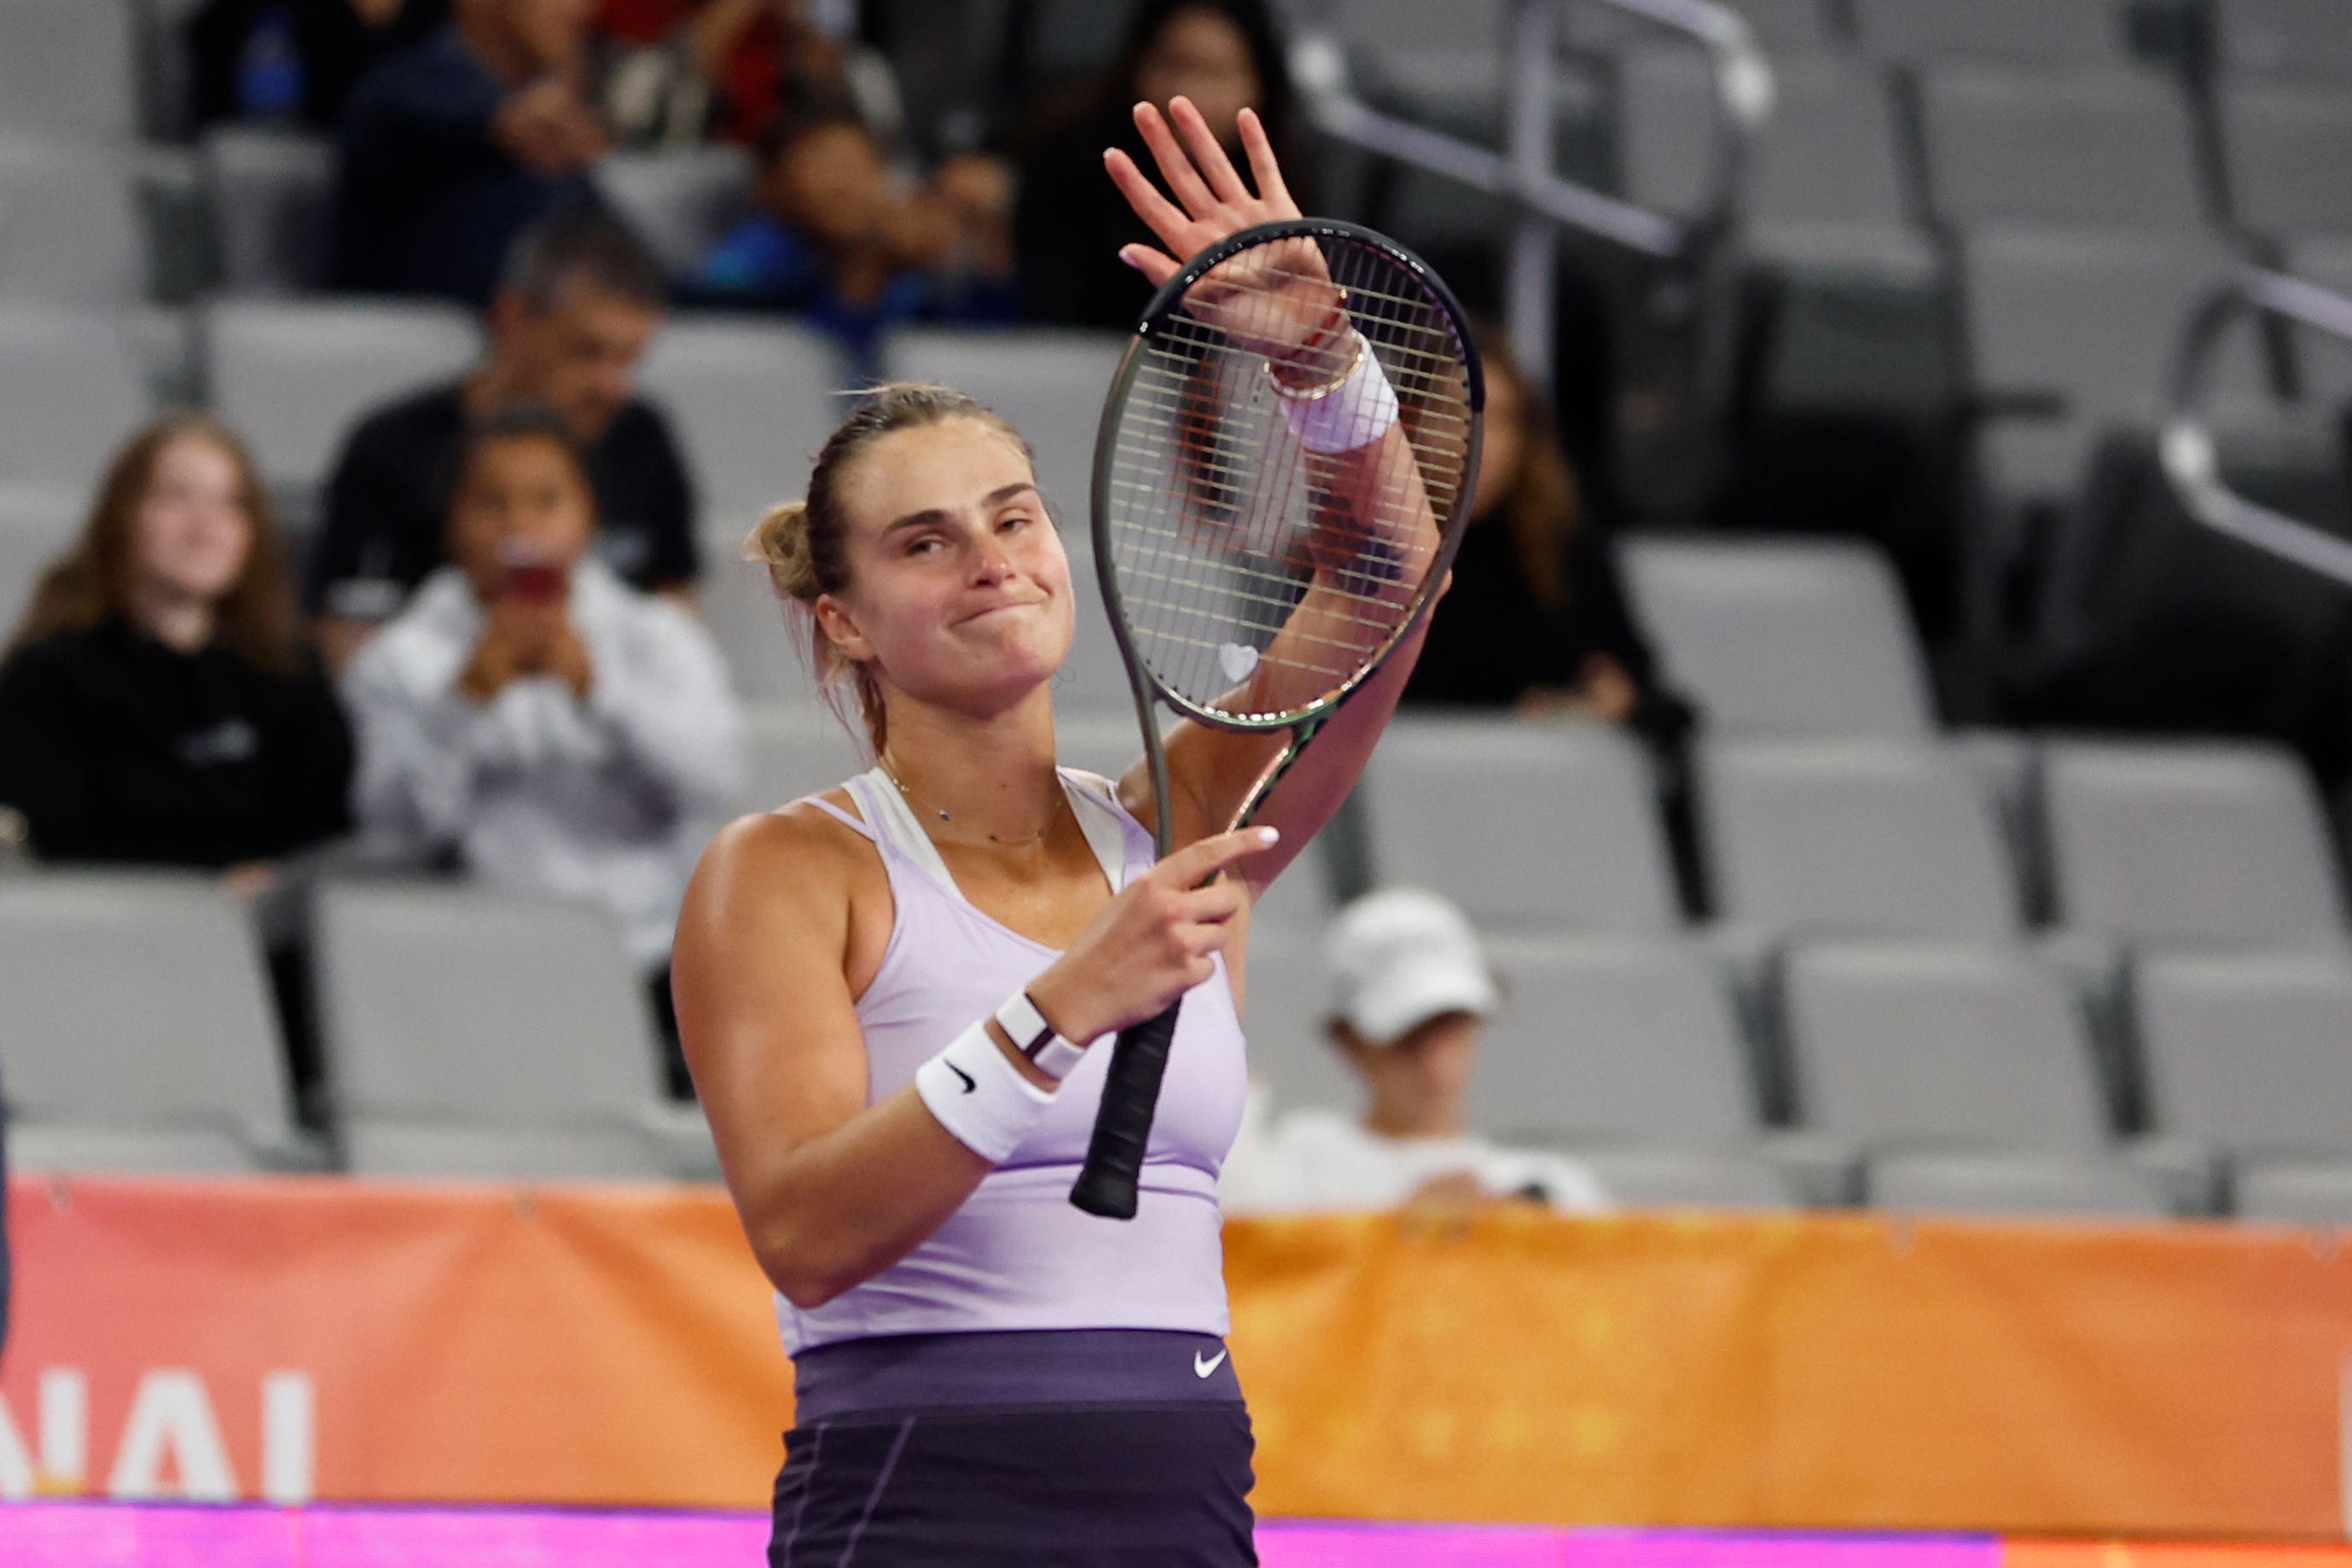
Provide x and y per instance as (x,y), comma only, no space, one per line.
(898,996)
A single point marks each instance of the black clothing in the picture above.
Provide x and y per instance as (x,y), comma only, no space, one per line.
(388,505)
(1073,1487)
(427,203)
(1490,639)
(333,48)
(117,748)
(1068,225)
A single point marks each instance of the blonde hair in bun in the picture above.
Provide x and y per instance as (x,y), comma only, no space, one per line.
(804,544)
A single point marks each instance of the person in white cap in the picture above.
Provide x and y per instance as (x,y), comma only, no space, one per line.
(1411,994)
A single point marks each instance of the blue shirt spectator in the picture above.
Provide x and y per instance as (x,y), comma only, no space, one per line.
(833,243)
(452,149)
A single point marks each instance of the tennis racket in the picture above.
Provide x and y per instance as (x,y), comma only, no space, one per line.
(1253,584)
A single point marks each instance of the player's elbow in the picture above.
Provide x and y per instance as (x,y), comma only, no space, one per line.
(799,1266)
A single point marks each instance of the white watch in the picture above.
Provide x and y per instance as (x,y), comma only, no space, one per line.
(1034,1038)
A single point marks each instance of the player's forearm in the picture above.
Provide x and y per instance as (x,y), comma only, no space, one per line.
(841,1208)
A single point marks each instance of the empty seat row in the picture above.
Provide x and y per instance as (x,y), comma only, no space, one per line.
(1526,825)
(466,1035)
(1915,1075)
(472,1034)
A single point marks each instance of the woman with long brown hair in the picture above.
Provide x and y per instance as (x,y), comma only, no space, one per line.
(157,703)
(1536,621)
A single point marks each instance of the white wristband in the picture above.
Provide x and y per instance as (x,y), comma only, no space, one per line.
(980,1096)
(1356,412)
(1034,1037)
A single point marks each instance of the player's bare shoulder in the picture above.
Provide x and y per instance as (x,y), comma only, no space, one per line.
(796,867)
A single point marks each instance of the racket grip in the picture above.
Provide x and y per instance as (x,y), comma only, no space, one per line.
(1139,1059)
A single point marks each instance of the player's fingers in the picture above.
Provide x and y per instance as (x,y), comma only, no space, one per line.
(1208,153)
(1265,172)
(1185,181)
(1157,266)
(1160,215)
(1218,902)
(1199,861)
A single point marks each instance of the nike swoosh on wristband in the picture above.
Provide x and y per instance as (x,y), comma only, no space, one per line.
(1203,1367)
(969,1083)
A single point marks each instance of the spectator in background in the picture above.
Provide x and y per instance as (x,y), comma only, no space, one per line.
(678,70)
(558,731)
(580,303)
(455,147)
(287,62)
(833,242)
(1226,56)
(158,704)
(1412,995)
(1537,620)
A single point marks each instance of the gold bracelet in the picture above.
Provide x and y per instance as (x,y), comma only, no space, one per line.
(1317,393)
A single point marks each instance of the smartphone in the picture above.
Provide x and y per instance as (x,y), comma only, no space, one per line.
(534,583)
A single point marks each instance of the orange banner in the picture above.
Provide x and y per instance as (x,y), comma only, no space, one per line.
(359,1341)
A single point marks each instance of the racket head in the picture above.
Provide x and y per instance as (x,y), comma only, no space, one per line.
(1201,519)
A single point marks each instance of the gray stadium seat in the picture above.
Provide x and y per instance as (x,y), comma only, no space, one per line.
(2286,146)
(69,223)
(2090,319)
(752,398)
(2295,1191)
(1521,824)
(1285,1005)
(1607,1038)
(35,527)
(1854,836)
(66,67)
(750,624)
(1786,28)
(2290,38)
(1898,1042)
(1647,1176)
(1829,155)
(476,1035)
(789,753)
(2251,1051)
(272,194)
(140,1028)
(2045,32)
(2218,841)
(2081,147)
(2013,1182)
(1050,384)
(2324,362)
(295,376)
(71,388)
(1794,637)
(679,200)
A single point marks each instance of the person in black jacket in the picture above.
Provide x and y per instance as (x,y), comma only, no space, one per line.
(158,705)
(453,148)
(1537,620)
(1070,223)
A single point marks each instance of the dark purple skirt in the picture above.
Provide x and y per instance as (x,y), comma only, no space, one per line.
(1073,1449)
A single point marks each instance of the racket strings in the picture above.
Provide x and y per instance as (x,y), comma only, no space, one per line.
(1243,583)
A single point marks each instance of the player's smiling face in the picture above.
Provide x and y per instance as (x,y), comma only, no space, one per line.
(959,588)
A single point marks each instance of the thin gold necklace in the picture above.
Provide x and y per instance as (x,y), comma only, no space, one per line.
(1060,802)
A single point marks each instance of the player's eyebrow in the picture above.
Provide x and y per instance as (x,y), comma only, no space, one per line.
(932,516)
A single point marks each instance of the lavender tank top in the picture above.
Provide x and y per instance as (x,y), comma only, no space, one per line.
(1016,1255)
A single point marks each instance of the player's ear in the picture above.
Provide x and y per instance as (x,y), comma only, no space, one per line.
(834,620)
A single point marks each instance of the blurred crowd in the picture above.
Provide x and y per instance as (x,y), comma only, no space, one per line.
(486,661)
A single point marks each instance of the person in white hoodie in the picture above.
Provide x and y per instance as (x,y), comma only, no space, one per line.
(1410,996)
(558,731)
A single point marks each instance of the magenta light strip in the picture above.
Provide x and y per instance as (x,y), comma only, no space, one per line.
(115,1535)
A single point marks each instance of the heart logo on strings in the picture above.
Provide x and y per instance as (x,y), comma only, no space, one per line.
(1237,659)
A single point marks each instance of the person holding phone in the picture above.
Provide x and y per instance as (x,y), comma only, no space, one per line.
(532,715)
